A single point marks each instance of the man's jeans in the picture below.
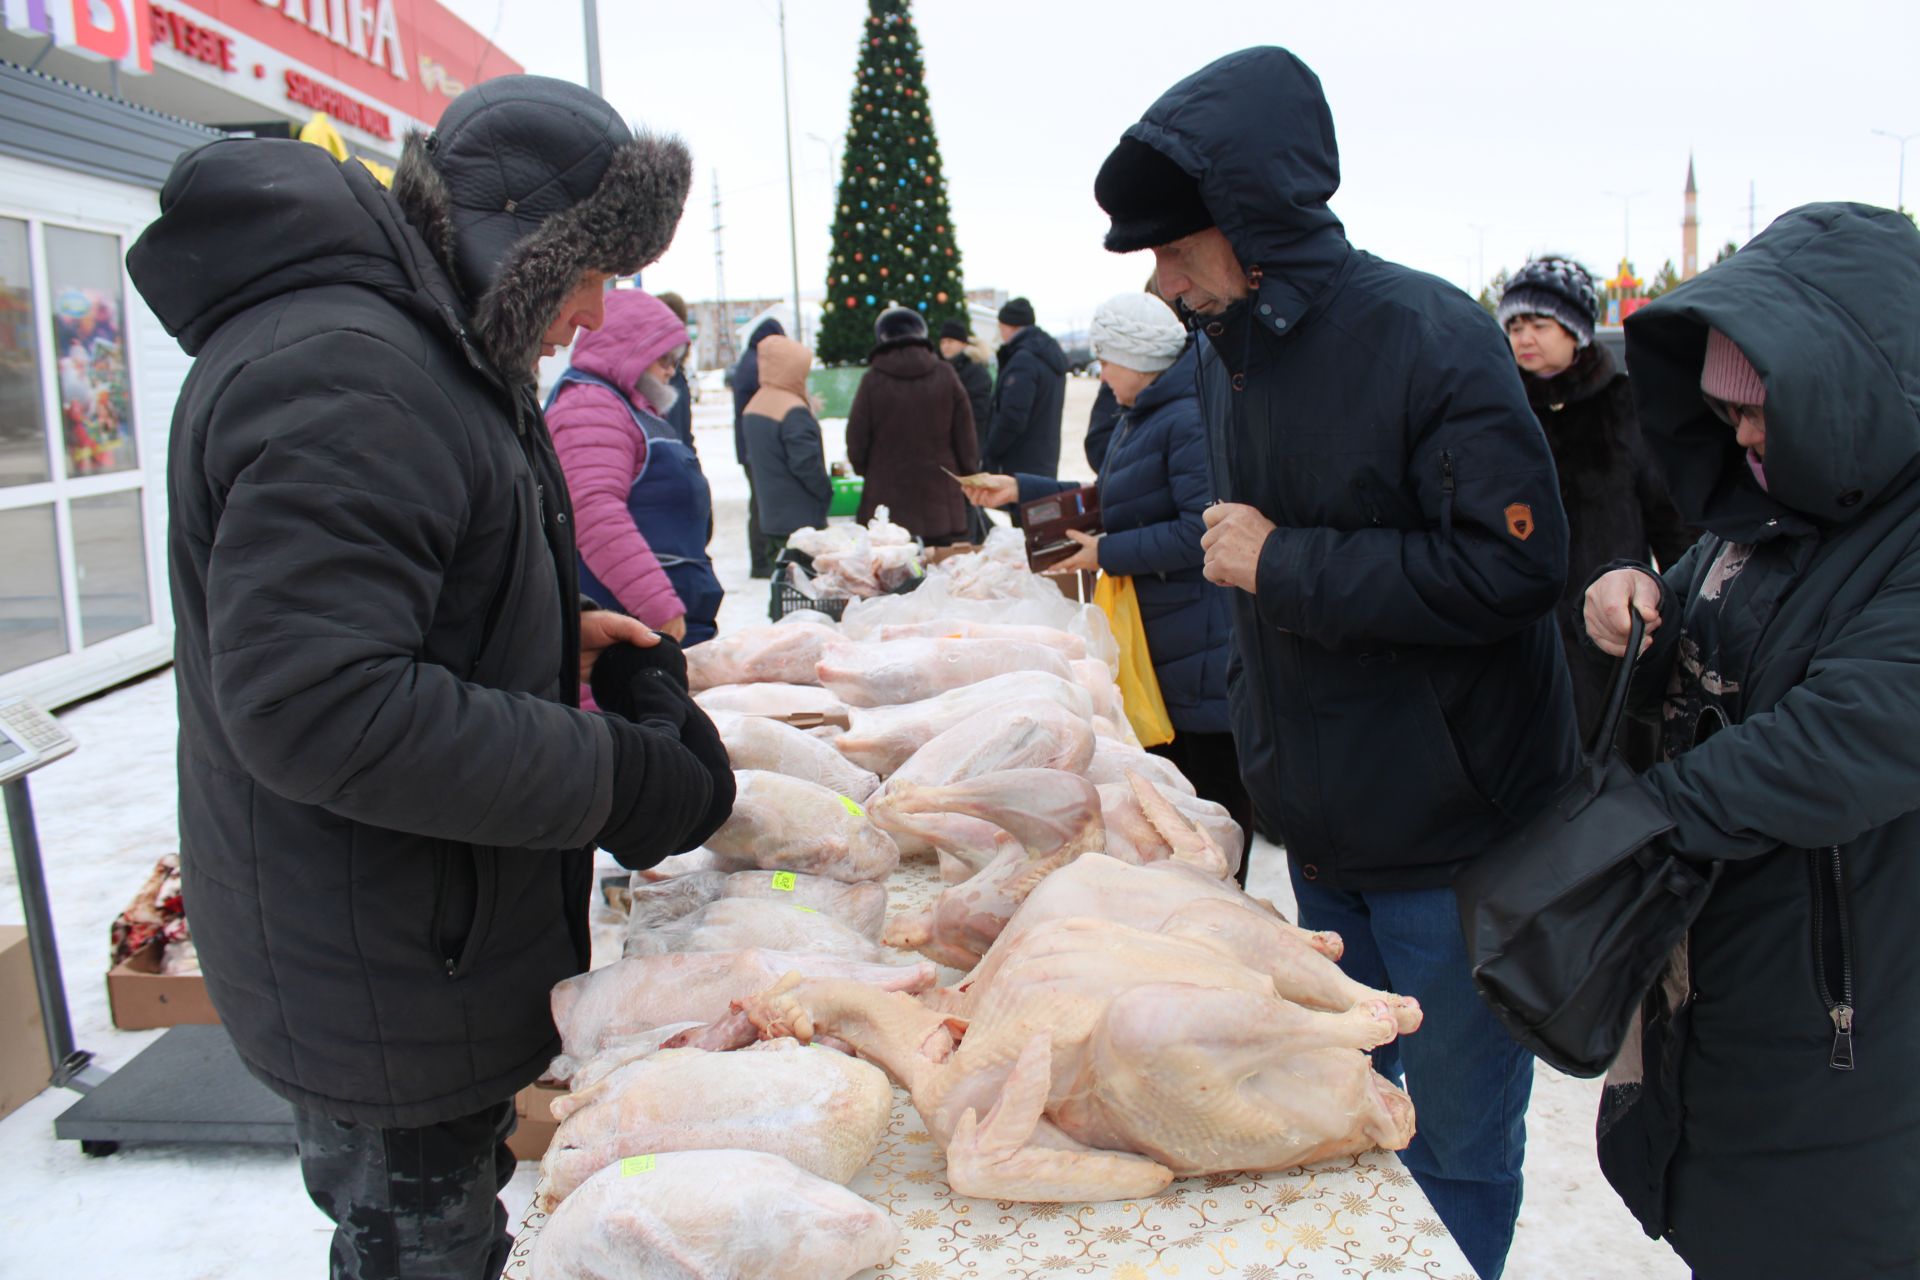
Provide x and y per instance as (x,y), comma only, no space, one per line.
(1469,1081)
(411,1204)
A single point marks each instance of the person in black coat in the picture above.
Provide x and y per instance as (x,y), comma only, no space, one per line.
(954,339)
(1771,1081)
(1154,487)
(746,382)
(679,414)
(1615,497)
(388,794)
(1389,518)
(1023,423)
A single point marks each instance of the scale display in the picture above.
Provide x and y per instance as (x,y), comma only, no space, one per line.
(29,738)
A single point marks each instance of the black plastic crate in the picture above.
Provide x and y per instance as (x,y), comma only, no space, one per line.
(788,598)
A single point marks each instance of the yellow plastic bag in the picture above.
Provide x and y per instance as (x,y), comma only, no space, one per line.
(1146,709)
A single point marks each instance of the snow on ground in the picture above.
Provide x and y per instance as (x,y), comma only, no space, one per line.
(180,1212)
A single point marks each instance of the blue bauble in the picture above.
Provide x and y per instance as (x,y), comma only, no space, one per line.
(869,299)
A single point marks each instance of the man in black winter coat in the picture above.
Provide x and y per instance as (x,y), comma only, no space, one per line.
(1388,512)
(388,795)
(1022,435)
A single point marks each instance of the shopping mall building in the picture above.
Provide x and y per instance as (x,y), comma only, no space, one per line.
(97,99)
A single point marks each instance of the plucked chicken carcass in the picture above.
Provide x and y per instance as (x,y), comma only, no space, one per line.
(784,824)
(1133,836)
(883,738)
(1066,644)
(711,1215)
(770,699)
(1112,761)
(733,924)
(786,653)
(1053,817)
(861,906)
(630,996)
(822,1110)
(888,674)
(755,742)
(1100,1059)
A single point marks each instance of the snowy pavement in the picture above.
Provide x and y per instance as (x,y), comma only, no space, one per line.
(177,1212)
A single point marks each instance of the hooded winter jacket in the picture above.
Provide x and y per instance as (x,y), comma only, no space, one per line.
(791,488)
(603,452)
(1023,431)
(385,796)
(1616,503)
(971,367)
(1776,1084)
(910,418)
(746,380)
(1398,694)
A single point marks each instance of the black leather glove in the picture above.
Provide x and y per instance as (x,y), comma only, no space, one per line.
(648,688)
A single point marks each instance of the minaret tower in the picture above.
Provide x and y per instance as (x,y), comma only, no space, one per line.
(1690,229)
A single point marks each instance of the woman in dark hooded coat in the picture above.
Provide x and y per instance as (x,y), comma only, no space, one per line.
(1764,1119)
(910,429)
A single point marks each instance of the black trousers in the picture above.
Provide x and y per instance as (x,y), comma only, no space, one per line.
(1213,767)
(411,1204)
(761,561)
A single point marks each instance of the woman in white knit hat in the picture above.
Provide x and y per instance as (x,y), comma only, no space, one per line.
(1153,486)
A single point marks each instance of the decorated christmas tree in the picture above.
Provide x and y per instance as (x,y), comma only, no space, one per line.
(893,242)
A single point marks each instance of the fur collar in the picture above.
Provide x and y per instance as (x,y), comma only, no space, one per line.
(1591,372)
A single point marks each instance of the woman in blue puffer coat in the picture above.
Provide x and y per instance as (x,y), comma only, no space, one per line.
(1153,486)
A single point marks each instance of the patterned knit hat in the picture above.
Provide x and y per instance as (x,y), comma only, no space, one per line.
(1137,331)
(1558,288)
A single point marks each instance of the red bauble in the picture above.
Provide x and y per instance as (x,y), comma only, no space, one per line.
(859,257)
(850,300)
(929,179)
(883,273)
(940,297)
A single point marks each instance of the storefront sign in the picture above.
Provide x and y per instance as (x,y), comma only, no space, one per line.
(101,29)
(347,110)
(191,39)
(369,34)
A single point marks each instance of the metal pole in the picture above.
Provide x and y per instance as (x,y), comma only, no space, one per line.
(67,1061)
(1903,139)
(793,222)
(590,14)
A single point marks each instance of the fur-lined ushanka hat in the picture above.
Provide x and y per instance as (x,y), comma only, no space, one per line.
(526,183)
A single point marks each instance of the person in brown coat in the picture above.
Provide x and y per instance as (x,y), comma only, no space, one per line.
(910,419)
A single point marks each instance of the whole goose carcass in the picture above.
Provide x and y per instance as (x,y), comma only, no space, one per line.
(1098,1059)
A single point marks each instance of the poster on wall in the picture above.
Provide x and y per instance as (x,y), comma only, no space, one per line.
(89,338)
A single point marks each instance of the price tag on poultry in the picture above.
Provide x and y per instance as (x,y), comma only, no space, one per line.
(784,881)
(636,1164)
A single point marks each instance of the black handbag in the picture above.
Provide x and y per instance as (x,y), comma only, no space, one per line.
(1570,919)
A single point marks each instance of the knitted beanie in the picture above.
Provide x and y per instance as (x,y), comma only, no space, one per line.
(1558,288)
(1728,375)
(1137,331)
(954,329)
(1017,313)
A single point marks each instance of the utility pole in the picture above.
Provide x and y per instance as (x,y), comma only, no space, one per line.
(723,353)
(793,222)
(1480,263)
(1903,139)
(1750,208)
(1626,199)
(590,17)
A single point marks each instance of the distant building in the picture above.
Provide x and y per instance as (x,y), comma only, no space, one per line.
(715,325)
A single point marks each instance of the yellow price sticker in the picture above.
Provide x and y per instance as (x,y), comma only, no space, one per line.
(784,881)
(636,1164)
(809,910)
(848,804)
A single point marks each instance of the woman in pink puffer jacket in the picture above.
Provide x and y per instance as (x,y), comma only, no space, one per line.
(642,508)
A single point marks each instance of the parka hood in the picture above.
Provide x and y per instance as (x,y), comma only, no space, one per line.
(638,330)
(783,377)
(244,220)
(1255,130)
(1825,303)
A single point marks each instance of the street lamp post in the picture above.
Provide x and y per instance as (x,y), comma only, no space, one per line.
(1903,139)
(793,220)
(1626,199)
(590,19)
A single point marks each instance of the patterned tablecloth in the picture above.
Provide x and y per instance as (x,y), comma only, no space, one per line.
(1357,1217)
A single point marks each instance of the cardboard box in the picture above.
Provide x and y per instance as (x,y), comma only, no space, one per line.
(534,1133)
(24,1068)
(142,997)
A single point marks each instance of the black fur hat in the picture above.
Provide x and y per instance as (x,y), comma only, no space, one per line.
(1558,288)
(897,323)
(1152,200)
(527,183)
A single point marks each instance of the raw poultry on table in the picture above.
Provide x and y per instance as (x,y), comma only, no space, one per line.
(1125,1015)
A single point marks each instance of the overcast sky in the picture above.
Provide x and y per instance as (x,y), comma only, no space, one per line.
(1541,126)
